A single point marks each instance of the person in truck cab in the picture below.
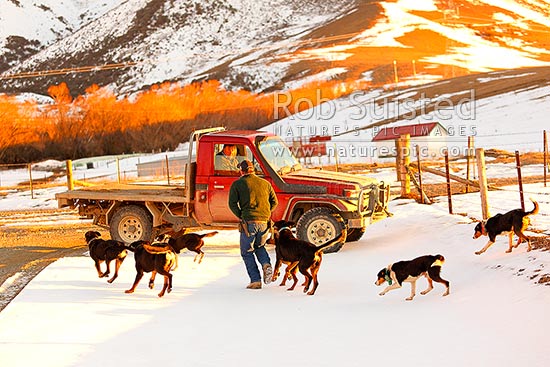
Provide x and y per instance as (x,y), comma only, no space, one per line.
(226,159)
(252,199)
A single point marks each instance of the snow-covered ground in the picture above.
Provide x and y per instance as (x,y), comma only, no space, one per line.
(496,314)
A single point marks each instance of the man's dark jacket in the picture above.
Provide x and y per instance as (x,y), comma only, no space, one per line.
(252,198)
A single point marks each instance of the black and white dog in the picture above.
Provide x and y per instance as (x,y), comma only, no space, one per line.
(514,221)
(428,266)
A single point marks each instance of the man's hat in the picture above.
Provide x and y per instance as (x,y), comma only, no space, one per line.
(246,166)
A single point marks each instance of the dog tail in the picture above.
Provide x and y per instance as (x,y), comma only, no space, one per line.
(340,238)
(535,209)
(156,249)
(136,244)
(210,234)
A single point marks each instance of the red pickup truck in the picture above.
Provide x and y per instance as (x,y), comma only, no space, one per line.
(320,202)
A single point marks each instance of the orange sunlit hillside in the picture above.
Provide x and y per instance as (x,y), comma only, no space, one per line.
(100,123)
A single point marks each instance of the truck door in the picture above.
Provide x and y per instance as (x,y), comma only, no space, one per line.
(220,183)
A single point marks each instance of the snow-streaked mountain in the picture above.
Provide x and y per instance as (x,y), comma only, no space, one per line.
(27,26)
(263,45)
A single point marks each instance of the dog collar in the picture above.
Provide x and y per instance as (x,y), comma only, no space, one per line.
(483,230)
(387,276)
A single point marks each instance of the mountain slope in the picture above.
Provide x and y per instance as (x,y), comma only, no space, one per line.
(269,45)
(28,26)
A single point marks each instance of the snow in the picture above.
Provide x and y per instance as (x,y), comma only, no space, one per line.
(66,316)
(476,54)
(49,18)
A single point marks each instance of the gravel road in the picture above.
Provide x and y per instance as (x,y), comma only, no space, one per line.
(27,249)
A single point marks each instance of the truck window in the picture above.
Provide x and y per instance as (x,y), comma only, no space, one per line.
(279,156)
(226,159)
(228,156)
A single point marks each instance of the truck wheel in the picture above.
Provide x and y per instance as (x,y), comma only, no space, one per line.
(131,223)
(320,225)
(355,234)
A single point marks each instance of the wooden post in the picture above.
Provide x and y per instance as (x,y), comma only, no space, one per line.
(468,155)
(30,180)
(472,152)
(117,170)
(405,161)
(167,169)
(448,179)
(480,159)
(419,174)
(520,181)
(398,161)
(395,73)
(545,148)
(70,181)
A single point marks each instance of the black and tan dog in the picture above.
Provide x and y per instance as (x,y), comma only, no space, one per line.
(298,255)
(105,251)
(190,241)
(428,266)
(514,221)
(154,258)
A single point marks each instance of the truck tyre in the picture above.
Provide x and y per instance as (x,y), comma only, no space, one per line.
(131,223)
(320,225)
(355,234)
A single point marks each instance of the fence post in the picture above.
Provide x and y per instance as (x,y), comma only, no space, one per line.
(30,180)
(398,161)
(419,174)
(520,181)
(396,78)
(70,181)
(118,170)
(545,149)
(167,169)
(405,161)
(468,155)
(480,158)
(448,179)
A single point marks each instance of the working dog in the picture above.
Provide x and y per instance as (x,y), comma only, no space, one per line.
(154,258)
(190,241)
(428,266)
(298,255)
(105,251)
(514,221)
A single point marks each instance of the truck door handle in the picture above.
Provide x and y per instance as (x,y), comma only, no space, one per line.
(219,187)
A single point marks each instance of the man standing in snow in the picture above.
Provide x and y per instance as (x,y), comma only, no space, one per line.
(252,199)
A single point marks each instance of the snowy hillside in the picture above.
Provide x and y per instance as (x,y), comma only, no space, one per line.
(265,45)
(185,39)
(502,110)
(28,26)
